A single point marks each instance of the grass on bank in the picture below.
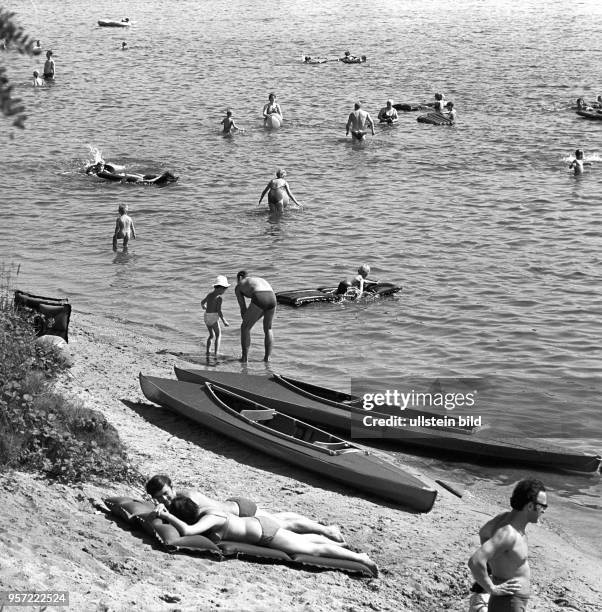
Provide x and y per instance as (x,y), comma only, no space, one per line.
(41,430)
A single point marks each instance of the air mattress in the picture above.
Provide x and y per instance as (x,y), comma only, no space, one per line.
(52,314)
(593,114)
(109,23)
(434,119)
(406,108)
(301,297)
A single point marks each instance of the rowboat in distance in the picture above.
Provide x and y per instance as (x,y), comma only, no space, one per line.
(344,413)
(289,439)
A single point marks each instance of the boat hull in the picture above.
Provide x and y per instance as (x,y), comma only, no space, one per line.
(352,466)
(347,418)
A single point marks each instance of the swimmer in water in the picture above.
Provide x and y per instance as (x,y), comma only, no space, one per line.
(124,228)
(357,122)
(356,287)
(279,193)
(38,81)
(37,49)
(124,46)
(440,103)
(49,67)
(449,112)
(271,108)
(577,164)
(387,113)
(108,172)
(228,123)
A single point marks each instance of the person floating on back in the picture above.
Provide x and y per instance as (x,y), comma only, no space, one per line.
(357,122)
(38,81)
(577,164)
(228,123)
(212,305)
(124,228)
(49,67)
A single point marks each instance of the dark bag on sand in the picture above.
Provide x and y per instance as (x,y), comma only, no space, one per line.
(52,314)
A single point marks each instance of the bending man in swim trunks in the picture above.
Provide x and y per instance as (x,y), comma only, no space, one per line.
(190,519)
(263,304)
(159,487)
(358,119)
(507,552)
(279,193)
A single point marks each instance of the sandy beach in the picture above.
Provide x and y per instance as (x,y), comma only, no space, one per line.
(54,538)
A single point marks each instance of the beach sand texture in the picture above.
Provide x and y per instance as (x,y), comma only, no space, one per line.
(53,537)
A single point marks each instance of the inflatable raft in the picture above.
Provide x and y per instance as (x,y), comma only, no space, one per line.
(301,297)
(434,119)
(591,114)
(406,108)
(111,23)
(51,314)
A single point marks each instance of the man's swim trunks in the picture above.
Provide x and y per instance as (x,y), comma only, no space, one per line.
(211,318)
(266,300)
(359,134)
(269,527)
(246,507)
(508,603)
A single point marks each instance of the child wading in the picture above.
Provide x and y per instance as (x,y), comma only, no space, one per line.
(124,228)
(212,305)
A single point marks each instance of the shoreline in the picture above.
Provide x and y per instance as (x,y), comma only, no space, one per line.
(62,542)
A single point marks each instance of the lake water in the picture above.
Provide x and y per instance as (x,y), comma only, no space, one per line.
(496,243)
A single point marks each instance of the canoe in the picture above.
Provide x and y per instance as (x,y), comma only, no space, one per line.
(593,114)
(289,439)
(328,408)
(301,297)
(109,23)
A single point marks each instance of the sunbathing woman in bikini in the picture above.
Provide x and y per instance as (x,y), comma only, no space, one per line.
(279,193)
(190,519)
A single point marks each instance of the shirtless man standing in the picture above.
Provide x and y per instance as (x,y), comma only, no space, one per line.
(49,67)
(506,551)
(159,487)
(263,304)
(358,119)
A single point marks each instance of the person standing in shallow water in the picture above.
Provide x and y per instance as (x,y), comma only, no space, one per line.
(279,193)
(124,228)
(271,108)
(263,304)
(49,67)
(505,550)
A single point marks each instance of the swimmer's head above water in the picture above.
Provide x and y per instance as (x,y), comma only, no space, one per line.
(579,154)
(364,270)
(281,173)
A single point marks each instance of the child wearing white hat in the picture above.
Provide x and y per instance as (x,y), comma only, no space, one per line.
(212,305)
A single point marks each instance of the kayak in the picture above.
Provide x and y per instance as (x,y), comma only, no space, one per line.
(301,297)
(328,408)
(108,23)
(434,118)
(593,114)
(289,439)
